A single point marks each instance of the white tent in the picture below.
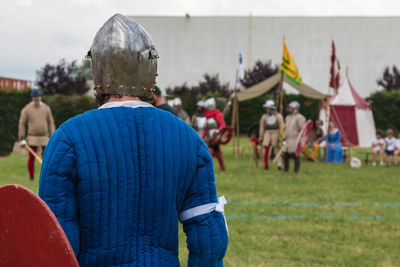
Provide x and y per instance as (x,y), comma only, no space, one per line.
(352,115)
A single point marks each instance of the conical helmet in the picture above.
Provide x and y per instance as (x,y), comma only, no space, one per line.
(123,59)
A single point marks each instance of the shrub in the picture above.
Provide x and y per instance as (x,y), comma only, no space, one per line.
(250,111)
(386,107)
(65,107)
(12,103)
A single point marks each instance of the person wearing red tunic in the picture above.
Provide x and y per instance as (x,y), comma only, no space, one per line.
(214,123)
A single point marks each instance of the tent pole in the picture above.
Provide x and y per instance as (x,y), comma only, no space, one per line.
(281,94)
(233,122)
(237,127)
(328,111)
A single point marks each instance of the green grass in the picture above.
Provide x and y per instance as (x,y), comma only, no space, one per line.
(328,214)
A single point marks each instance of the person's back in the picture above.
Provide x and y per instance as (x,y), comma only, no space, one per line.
(130,187)
(118,178)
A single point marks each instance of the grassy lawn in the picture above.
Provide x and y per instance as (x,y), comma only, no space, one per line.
(328,214)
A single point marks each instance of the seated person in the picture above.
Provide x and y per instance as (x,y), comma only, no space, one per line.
(390,142)
(335,153)
(313,141)
(377,148)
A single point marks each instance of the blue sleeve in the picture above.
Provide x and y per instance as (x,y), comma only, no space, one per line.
(207,236)
(57,185)
(337,137)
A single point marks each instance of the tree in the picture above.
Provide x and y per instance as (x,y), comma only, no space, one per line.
(62,78)
(260,72)
(85,70)
(390,81)
(210,86)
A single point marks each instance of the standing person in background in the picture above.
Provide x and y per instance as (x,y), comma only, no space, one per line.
(377,148)
(313,141)
(180,112)
(270,124)
(198,121)
(214,123)
(37,116)
(397,150)
(335,152)
(159,101)
(390,143)
(294,124)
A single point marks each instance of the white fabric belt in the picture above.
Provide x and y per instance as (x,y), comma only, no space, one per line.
(203,209)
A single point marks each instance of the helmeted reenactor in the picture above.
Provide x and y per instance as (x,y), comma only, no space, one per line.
(214,124)
(294,123)
(198,121)
(180,112)
(270,124)
(118,178)
(37,116)
(160,102)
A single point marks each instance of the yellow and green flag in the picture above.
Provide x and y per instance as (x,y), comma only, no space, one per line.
(288,67)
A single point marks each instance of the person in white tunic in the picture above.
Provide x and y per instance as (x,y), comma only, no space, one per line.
(294,124)
(377,148)
(390,142)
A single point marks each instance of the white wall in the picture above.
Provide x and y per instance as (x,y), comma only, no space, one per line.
(190,47)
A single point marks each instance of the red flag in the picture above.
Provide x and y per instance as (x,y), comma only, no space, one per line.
(334,81)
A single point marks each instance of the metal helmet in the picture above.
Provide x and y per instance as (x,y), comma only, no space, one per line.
(123,58)
(177,102)
(294,105)
(269,104)
(210,103)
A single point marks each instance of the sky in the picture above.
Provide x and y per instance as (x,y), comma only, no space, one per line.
(36,32)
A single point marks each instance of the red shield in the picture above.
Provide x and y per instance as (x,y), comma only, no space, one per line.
(222,137)
(303,136)
(30,234)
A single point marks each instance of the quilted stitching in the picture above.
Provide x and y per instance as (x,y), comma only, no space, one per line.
(117,178)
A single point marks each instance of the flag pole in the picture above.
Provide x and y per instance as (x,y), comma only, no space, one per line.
(281,93)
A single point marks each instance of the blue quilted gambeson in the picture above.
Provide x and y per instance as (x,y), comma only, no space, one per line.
(117,179)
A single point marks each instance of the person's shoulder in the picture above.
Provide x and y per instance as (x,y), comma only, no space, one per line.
(167,107)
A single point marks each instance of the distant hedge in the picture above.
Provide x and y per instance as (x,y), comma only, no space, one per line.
(386,109)
(65,107)
(12,102)
(250,111)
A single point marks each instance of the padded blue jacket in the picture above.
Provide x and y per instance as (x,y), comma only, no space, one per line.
(117,180)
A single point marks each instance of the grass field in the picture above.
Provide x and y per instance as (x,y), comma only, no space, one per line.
(328,214)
